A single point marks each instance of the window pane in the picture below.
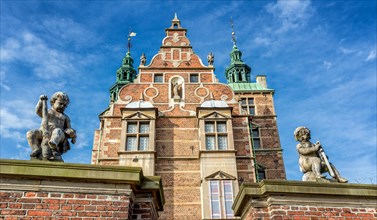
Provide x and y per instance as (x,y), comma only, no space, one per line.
(210,142)
(228,208)
(243,101)
(255,132)
(158,78)
(244,108)
(221,126)
(143,143)
(228,188)
(131,128)
(251,110)
(228,197)
(210,127)
(194,78)
(131,144)
(223,142)
(251,101)
(256,143)
(261,174)
(215,200)
(144,127)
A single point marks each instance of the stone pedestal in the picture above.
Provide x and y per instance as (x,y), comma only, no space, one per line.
(34,189)
(305,200)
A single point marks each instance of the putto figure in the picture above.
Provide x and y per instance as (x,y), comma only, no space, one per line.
(51,140)
(313,160)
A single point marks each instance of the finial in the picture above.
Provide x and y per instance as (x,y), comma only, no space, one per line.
(143,59)
(233,33)
(130,34)
(175,16)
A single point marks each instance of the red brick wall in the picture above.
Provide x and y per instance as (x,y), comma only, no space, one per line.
(55,205)
(280,212)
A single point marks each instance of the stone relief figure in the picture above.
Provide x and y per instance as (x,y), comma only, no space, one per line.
(51,139)
(313,160)
(210,58)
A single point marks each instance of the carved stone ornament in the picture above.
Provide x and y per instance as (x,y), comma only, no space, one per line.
(312,159)
(50,141)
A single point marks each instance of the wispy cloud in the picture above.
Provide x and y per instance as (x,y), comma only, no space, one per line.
(371,55)
(45,62)
(327,64)
(291,14)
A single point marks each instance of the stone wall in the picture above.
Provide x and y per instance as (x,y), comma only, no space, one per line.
(46,190)
(306,201)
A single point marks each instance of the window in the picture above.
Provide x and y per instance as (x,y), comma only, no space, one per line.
(255,138)
(194,78)
(137,138)
(216,135)
(261,173)
(158,78)
(221,198)
(247,104)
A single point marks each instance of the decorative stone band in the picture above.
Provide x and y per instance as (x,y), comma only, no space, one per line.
(23,175)
(270,197)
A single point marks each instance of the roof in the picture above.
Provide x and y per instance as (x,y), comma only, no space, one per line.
(248,87)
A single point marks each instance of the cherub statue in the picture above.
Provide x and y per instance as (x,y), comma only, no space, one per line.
(51,139)
(313,160)
(210,58)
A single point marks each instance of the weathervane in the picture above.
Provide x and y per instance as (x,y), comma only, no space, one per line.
(233,33)
(130,34)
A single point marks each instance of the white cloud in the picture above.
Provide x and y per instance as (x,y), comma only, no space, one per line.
(262,41)
(346,50)
(291,14)
(46,62)
(327,64)
(371,55)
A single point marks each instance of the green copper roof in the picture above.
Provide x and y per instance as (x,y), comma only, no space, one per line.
(248,87)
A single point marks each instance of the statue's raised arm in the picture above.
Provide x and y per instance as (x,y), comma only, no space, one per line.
(50,141)
(312,159)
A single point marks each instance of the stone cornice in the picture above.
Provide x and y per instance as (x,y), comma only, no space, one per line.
(42,171)
(269,192)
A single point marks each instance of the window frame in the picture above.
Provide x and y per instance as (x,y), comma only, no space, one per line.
(216,134)
(256,138)
(248,105)
(158,75)
(221,197)
(194,74)
(138,135)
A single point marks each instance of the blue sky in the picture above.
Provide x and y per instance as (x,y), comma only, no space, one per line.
(319,56)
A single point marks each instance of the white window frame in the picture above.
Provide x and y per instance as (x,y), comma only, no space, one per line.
(216,134)
(222,198)
(138,135)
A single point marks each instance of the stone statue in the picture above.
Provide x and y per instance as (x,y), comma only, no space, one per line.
(175,90)
(51,139)
(313,160)
(210,58)
(143,59)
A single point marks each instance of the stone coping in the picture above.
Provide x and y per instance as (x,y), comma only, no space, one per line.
(46,170)
(268,188)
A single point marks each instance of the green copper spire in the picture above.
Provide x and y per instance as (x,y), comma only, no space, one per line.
(237,71)
(125,74)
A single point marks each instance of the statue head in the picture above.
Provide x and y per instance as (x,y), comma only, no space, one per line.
(302,134)
(59,101)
